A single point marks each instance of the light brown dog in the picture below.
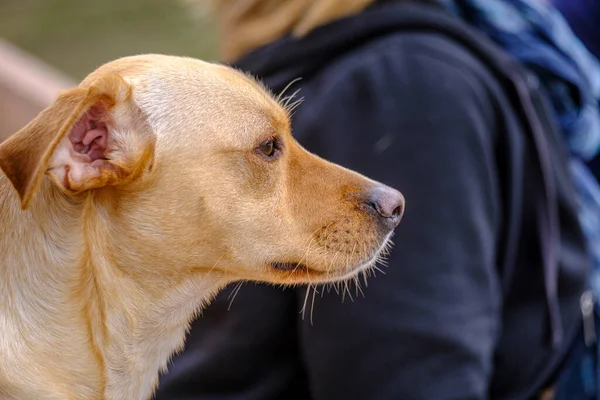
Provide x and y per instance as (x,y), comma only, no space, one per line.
(147,189)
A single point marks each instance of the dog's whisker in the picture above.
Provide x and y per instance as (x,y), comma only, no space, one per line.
(291,108)
(336,287)
(287,100)
(214,265)
(348,291)
(312,305)
(235,292)
(308,247)
(366,272)
(308,277)
(279,96)
(303,311)
(332,261)
(306,254)
(358,287)
(354,247)
(375,267)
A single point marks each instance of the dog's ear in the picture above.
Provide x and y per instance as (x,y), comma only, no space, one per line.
(88,138)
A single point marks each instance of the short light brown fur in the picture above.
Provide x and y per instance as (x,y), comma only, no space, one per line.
(104,261)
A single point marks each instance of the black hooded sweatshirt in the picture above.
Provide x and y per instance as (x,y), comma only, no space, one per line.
(481,296)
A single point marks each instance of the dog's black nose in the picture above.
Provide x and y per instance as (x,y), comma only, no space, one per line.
(388,205)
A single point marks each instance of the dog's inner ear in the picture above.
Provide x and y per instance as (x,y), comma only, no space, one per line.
(102,149)
(81,158)
(90,137)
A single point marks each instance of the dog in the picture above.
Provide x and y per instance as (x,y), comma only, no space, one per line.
(129,202)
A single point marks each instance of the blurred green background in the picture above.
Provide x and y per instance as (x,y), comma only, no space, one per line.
(78,36)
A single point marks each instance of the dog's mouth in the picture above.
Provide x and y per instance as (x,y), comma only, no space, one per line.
(289,266)
(300,272)
(295,270)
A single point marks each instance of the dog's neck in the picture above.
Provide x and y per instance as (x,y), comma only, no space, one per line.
(91,329)
(136,341)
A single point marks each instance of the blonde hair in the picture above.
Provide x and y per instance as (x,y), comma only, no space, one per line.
(245,25)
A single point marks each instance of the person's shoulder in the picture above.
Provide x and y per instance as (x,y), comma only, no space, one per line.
(405,62)
(403,65)
(411,45)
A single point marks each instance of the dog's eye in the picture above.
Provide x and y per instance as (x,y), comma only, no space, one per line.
(270,147)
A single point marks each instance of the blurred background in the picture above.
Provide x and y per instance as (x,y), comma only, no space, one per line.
(48,45)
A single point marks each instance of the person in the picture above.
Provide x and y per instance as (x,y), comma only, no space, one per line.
(480,299)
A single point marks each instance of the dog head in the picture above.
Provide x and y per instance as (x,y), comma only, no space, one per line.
(182,167)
